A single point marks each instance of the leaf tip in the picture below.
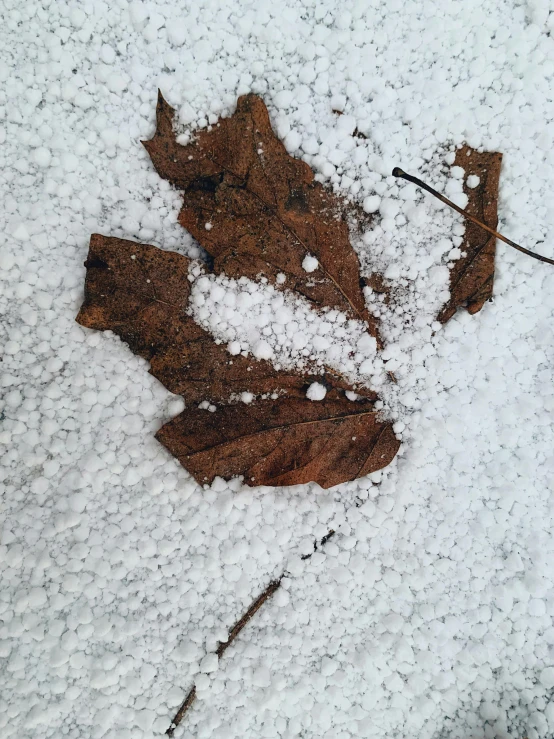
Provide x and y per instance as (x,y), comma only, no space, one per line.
(164,120)
(163,107)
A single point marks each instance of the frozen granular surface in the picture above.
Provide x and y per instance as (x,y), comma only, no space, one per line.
(429,613)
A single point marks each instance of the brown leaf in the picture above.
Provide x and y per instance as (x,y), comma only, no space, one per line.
(265,211)
(258,212)
(141,293)
(472,277)
(284,442)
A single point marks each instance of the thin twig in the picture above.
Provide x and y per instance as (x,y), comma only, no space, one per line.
(245,618)
(185,705)
(273,586)
(235,631)
(397,172)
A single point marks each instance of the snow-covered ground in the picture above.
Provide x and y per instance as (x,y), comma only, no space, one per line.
(429,613)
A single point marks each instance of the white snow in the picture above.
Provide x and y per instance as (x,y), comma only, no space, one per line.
(429,611)
(42,156)
(257,318)
(262,350)
(372,203)
(209,663)
(310,263)
(316,391)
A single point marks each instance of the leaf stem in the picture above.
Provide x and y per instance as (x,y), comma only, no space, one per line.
(397,172)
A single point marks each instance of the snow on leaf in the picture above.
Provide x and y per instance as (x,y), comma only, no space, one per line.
(258,212)
(267,213)
(141,293)
(472,276)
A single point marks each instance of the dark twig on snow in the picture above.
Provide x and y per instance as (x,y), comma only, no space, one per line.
(185,705)
(235,631)
(245,618)
(273,586)
(397,172)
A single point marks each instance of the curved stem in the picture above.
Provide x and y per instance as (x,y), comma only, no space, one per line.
(397,172)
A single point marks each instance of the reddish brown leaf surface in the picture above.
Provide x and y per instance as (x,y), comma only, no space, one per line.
(287,441)
(266,212)
(472,277)
(141,293)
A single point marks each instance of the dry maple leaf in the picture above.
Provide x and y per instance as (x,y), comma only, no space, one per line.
(265,211)
(265,214)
